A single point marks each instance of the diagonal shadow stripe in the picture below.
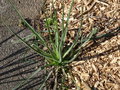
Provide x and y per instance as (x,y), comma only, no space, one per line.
(38,82)
(113,49)
(13,54)
(16,68)
(22,60)
(20,73)
(10,37)
(4,82)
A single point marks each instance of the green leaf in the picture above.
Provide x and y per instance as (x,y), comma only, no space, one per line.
(27,38)
(38,35)
(41,87)
(77,52)
(24,82)
(38,50)
(61,41)
(75,42)
(29,26)
(64,33)
(64,30)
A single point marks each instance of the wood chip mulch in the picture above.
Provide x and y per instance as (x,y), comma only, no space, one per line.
(98,68)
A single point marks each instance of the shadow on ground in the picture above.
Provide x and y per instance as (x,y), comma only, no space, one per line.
(97,42)
(17,64)
(16,61)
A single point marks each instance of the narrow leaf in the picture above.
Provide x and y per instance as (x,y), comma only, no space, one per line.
(24,82)
(41,87)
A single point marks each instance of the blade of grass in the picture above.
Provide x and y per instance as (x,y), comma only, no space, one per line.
(36,47)
(49,26)
(53,46)
(24,82)
(43,42)
(56,79)
(82,45)
(38,35)
(49,56)
(50,37)
(42,54)
(64,34)
(60,46)
(64,29)
(50,21)
(41,87)
(27,38)
(75,42)
(83,39)
(55,23)
(56,36)
(63,87)
(93,32)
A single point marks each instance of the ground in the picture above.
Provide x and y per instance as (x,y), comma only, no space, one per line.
(16,63)
(98,67)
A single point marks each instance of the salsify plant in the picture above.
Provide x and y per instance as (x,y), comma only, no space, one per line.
(58,54)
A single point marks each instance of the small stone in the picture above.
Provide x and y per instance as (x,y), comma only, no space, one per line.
(45,48)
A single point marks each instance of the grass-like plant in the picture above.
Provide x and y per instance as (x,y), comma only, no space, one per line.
(58,54)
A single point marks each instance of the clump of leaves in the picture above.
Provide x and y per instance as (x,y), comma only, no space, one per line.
(58,54)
